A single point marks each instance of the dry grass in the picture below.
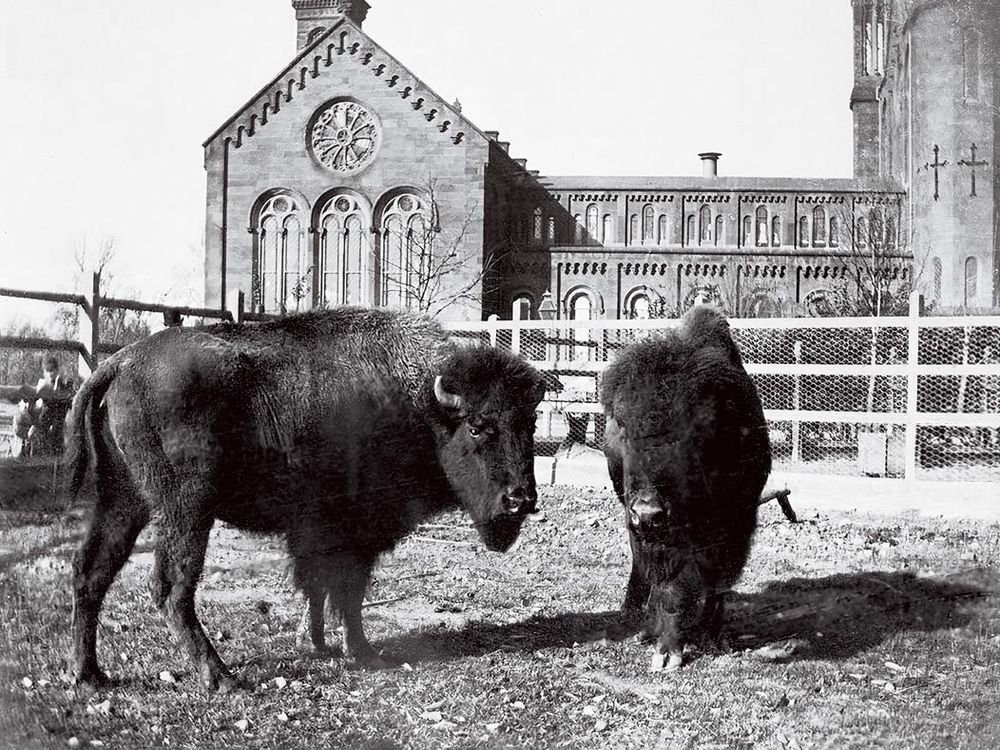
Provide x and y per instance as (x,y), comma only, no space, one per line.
(849,631)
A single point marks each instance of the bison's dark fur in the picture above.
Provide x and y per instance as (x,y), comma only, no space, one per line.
(342,430)
(688,454)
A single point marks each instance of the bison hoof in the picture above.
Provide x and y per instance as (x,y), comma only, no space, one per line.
(219,680)
(665,662)
(91,678)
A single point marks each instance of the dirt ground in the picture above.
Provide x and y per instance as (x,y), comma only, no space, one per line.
(847,631)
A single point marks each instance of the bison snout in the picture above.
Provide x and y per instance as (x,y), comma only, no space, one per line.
(646,514)
(520,501)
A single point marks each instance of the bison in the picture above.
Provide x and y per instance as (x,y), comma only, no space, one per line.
(341,430)
(688,453)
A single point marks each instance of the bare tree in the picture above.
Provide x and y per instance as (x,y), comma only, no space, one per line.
(430,267)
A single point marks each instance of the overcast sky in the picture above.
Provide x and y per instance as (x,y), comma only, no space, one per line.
(106,103)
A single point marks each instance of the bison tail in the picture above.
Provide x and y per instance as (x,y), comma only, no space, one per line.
(85,425)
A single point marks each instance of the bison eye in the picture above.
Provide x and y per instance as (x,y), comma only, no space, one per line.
(475,431)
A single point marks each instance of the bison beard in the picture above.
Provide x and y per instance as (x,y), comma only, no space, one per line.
(342,430)
(688,454)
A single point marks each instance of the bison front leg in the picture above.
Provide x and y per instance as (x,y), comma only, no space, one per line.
(637,592)
(349,581)
(672,609)
(179,559)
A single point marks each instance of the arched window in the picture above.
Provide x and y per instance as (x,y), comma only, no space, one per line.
(834,231)
(647,223)
(343,248)
(662,237)
(550,235)
(705,225)
(776,231)
(522,307)
(536,226)
(592,222)
(861,232)
(577,229)
(747,230)
(819,226)
(580,307)
(633,229)
(875,228)
(890,233)
(638,307)
(880,47)
(607,230)
(971,280)
(761,223)
(970,59)
(720,230)
(937,272)
(803,231)
(692,236)
(282,269)
(404,261)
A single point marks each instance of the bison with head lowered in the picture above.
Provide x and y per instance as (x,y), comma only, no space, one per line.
(688,453)
(342,430)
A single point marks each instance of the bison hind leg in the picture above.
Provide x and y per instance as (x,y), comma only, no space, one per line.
(118,517)
(350,575)
(311,577)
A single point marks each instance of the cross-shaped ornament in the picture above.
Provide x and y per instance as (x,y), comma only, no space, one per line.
(935,166)
(972,163)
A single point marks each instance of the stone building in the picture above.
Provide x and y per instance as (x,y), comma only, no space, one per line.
(346,179)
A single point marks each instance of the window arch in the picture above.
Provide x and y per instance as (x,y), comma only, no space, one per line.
(937,272)
(803,231)
(747,230)
(404,258)
(819,226)
(281,266)
(607,230)
(592,222)
(971,280)
(875,228)
(343,250)
(762,226)
(705,225)
(647,223)
(638,304)
(662,237)
(834,231)
(720,230)
(522,307)
(633,229)
(776,231)
(692,236)
(970,63)
(580,305)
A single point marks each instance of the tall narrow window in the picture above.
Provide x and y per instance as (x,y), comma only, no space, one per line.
(550,234)
(776,231)
(803,231)
(720,230)
(592,222)
(580,308)
(970,58)
(868,63)
(661,231)
(536,226)
(607,230)
(521,309)
(880,47)
(577,229)
(819,226)
(343,245)
(705,225)
(834,231)
(692,235)
(971,281)
(633,229)
(876,229)
(890,233)
(647,223)
(747,230)
(282,267)
(761,223)
(937,272)
(861,232)
(404,262)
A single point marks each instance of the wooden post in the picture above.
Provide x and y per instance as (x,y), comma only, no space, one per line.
(912,361)
(796,405)
(241,303)
(89,329)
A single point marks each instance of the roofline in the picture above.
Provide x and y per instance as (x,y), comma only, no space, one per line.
(263,89)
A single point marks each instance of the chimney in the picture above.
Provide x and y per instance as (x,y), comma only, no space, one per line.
(316,16)
(522,163)
(492,135)
(709,163)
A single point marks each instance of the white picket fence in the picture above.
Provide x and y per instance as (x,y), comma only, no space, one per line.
(907,396)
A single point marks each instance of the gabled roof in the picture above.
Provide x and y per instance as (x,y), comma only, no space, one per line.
(720,184)
(344,41)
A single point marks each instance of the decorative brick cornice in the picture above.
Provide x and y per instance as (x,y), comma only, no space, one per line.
(838,199)
(763,198)
(708,270)
(651,197)
(708,197)
(645,269)
(585,269)
(761,271)
(595,197)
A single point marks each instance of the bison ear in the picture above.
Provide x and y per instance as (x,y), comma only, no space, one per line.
(447,400)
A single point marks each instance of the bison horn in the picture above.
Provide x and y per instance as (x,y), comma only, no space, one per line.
(447,400)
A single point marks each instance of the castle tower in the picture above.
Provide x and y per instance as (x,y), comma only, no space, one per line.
(316,16)
(870,32)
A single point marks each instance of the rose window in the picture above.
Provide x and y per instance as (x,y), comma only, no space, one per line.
(344,136)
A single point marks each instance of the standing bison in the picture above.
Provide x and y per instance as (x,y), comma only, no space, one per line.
(342,430)
(688,454)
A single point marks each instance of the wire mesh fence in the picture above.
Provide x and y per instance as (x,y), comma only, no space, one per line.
(903,396)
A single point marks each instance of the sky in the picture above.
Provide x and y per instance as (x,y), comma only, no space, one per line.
(106,104)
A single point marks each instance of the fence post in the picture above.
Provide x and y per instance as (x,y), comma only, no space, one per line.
(89,330)
(493,329)
(241,302)
(796,406)
(913,361)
